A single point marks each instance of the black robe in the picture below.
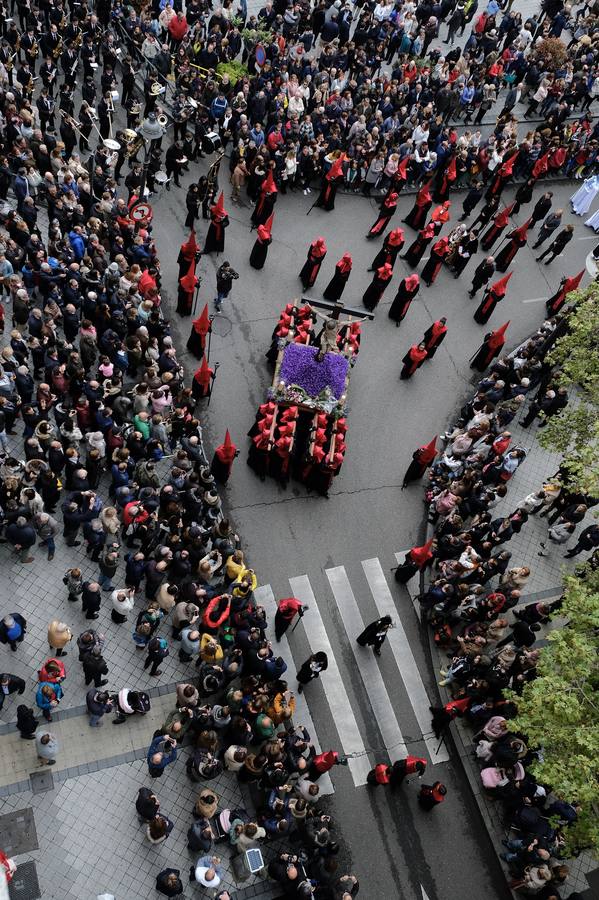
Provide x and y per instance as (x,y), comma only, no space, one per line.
(215,238)
(311,268)
(401,302)
(374,292)
(259,253)
(336,285)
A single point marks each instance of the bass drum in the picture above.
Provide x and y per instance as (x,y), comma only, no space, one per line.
(211,142)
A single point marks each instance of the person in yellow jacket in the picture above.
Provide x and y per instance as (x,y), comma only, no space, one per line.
(210,650)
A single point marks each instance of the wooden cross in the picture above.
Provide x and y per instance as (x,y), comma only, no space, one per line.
(335,309)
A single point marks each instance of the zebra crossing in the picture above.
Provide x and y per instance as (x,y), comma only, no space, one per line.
(398,734)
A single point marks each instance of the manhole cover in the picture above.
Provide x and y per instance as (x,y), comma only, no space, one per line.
(25,885)
(41,781)
(221,325)
(17,832)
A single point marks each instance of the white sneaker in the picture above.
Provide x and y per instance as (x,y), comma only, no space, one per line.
(309,190)
(305,192)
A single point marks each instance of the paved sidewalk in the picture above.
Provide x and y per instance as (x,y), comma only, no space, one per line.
(545,583)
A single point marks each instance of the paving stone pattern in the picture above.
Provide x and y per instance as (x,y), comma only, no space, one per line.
(90,840)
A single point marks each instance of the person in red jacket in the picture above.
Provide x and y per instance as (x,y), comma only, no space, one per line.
(177,29)
(381,774)
(411,765)
(430,795)
(323,763)
(287,609)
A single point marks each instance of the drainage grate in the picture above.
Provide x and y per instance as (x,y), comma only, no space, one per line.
(17,832)
(25,885)
(41,781)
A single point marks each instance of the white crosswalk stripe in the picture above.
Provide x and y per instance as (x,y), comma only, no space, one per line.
(367,664)
(335,692)
(265,597)
(382,694)
(404,657)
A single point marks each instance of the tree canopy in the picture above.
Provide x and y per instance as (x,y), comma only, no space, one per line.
(575,431)
(559,710)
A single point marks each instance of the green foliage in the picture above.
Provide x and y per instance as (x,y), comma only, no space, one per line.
(235,70)
(559,710)
(253,36)
(575,431)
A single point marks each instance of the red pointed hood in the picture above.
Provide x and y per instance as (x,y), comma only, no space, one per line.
(429,451)
(570,284)
(522,230)
(440,214)
(451,173)
(502,218)
(438,328)
(412,281)
(188,282)
(402,169)
(424,194)
(189,248)
(497,338)
(202,324)
(265,231)
(320,246)
(441,245)
(219,207)
(396,237)
(421,555)
(345,263)
(392,198)
(204,373)
(500,287)
(385,272)
(226,451)
(541,165)
(508,165)
(336,169)
(268,185)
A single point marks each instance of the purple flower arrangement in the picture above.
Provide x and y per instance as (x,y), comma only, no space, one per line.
(300,366)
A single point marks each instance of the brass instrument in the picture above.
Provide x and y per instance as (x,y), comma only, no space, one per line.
(162,120)
(78,40)
(57,52)
(9,64)
(134,142)
(156,89)
(33,51)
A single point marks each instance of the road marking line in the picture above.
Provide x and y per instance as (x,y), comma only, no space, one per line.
(264,597)
(334,689)
(369,671)
(404,657)
(536,300)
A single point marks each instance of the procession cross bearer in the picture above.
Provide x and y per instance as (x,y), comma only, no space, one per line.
(332,323)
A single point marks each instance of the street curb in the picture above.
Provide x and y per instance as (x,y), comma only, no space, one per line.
(462,752)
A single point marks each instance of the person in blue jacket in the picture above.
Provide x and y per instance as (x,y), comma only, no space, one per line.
(162,751)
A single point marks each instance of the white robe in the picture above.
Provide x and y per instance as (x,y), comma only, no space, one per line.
(581,201)
(593,222)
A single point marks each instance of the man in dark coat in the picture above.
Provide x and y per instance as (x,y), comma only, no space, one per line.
(541,208)
(10,684)
(21,534)
(558,245)
(482,274)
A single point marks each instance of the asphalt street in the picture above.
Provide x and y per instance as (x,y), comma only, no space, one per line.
(395,848)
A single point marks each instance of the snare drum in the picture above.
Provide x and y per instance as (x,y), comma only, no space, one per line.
(161,178)
(115,96)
